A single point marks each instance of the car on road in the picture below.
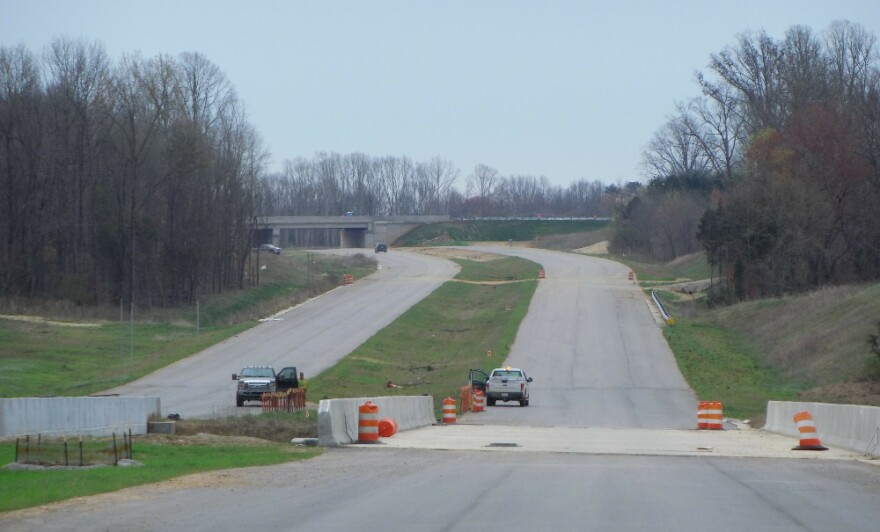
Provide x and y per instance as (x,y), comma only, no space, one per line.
(270,248)
(254,381)
(381,247)
(507,384)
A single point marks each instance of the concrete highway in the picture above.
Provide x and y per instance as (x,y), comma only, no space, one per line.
(312,336)
(407,490)
(594,350)
(601,447)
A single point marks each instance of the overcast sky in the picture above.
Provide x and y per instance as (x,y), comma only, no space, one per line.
(566,89)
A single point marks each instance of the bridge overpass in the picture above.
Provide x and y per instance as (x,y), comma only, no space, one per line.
(337,231)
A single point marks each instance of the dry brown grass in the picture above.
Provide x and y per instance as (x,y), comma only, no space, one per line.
(275,426)
(573,240)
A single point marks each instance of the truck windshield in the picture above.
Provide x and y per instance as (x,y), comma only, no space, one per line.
(257,372)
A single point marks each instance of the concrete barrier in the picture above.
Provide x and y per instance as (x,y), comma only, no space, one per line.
(338,418)
(852,427)
(76,416)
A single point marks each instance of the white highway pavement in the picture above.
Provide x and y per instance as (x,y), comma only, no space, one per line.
(595,351)
(312,336)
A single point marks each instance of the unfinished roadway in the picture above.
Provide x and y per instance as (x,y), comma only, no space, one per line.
(609,429)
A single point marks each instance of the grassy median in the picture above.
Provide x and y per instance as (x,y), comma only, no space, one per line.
(429,349)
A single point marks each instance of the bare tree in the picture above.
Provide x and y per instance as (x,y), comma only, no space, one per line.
(434,180)
(22,218)
(482,182)
(677,149)
(752,68)
(78,73)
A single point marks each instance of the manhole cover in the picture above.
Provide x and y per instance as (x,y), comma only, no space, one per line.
(503,444)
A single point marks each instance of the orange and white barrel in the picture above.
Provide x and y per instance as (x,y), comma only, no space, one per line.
(809,435)
(714,415)
(347,278)
(541,273)
(368,423)
(449,410)
(479,401)
(702,419)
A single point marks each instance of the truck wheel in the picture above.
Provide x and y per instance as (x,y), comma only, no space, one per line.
(239,401)
(490,402)
(525,403)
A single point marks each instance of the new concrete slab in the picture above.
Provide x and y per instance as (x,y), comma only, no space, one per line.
(649,442)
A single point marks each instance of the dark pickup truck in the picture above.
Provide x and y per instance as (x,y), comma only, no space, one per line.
(254,381)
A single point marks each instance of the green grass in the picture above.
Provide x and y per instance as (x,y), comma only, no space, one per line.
(23,489)
(459,233)
(40,359)
(287,280)
(46,359)
(778,349)
(429,349)
(692,267)
(721,365)
(501,269)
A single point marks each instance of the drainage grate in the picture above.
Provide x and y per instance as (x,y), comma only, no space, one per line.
(503,444)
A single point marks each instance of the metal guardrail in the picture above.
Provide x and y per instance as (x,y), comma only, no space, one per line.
(669,319)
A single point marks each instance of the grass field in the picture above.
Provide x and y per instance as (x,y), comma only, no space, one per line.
(84,356)
(24,489)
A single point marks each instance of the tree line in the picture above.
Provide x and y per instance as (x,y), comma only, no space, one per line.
(141,179)
(333,184)
(136,179)
(774,170)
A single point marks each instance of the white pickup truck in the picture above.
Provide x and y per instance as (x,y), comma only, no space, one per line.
(507,384)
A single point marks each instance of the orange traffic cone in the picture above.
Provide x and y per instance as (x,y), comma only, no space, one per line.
(809,436)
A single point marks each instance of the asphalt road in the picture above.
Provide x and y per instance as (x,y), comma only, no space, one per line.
(312,336)
(598,361)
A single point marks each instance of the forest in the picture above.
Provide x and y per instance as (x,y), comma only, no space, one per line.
(141,179)
(773,171)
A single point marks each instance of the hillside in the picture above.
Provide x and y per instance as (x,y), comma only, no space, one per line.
(818,341)
(462,232)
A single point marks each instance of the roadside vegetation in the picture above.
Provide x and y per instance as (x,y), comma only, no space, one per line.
(812,347)
(807,347)
(161,460)
(74,351)
(464,232)
(429,349)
